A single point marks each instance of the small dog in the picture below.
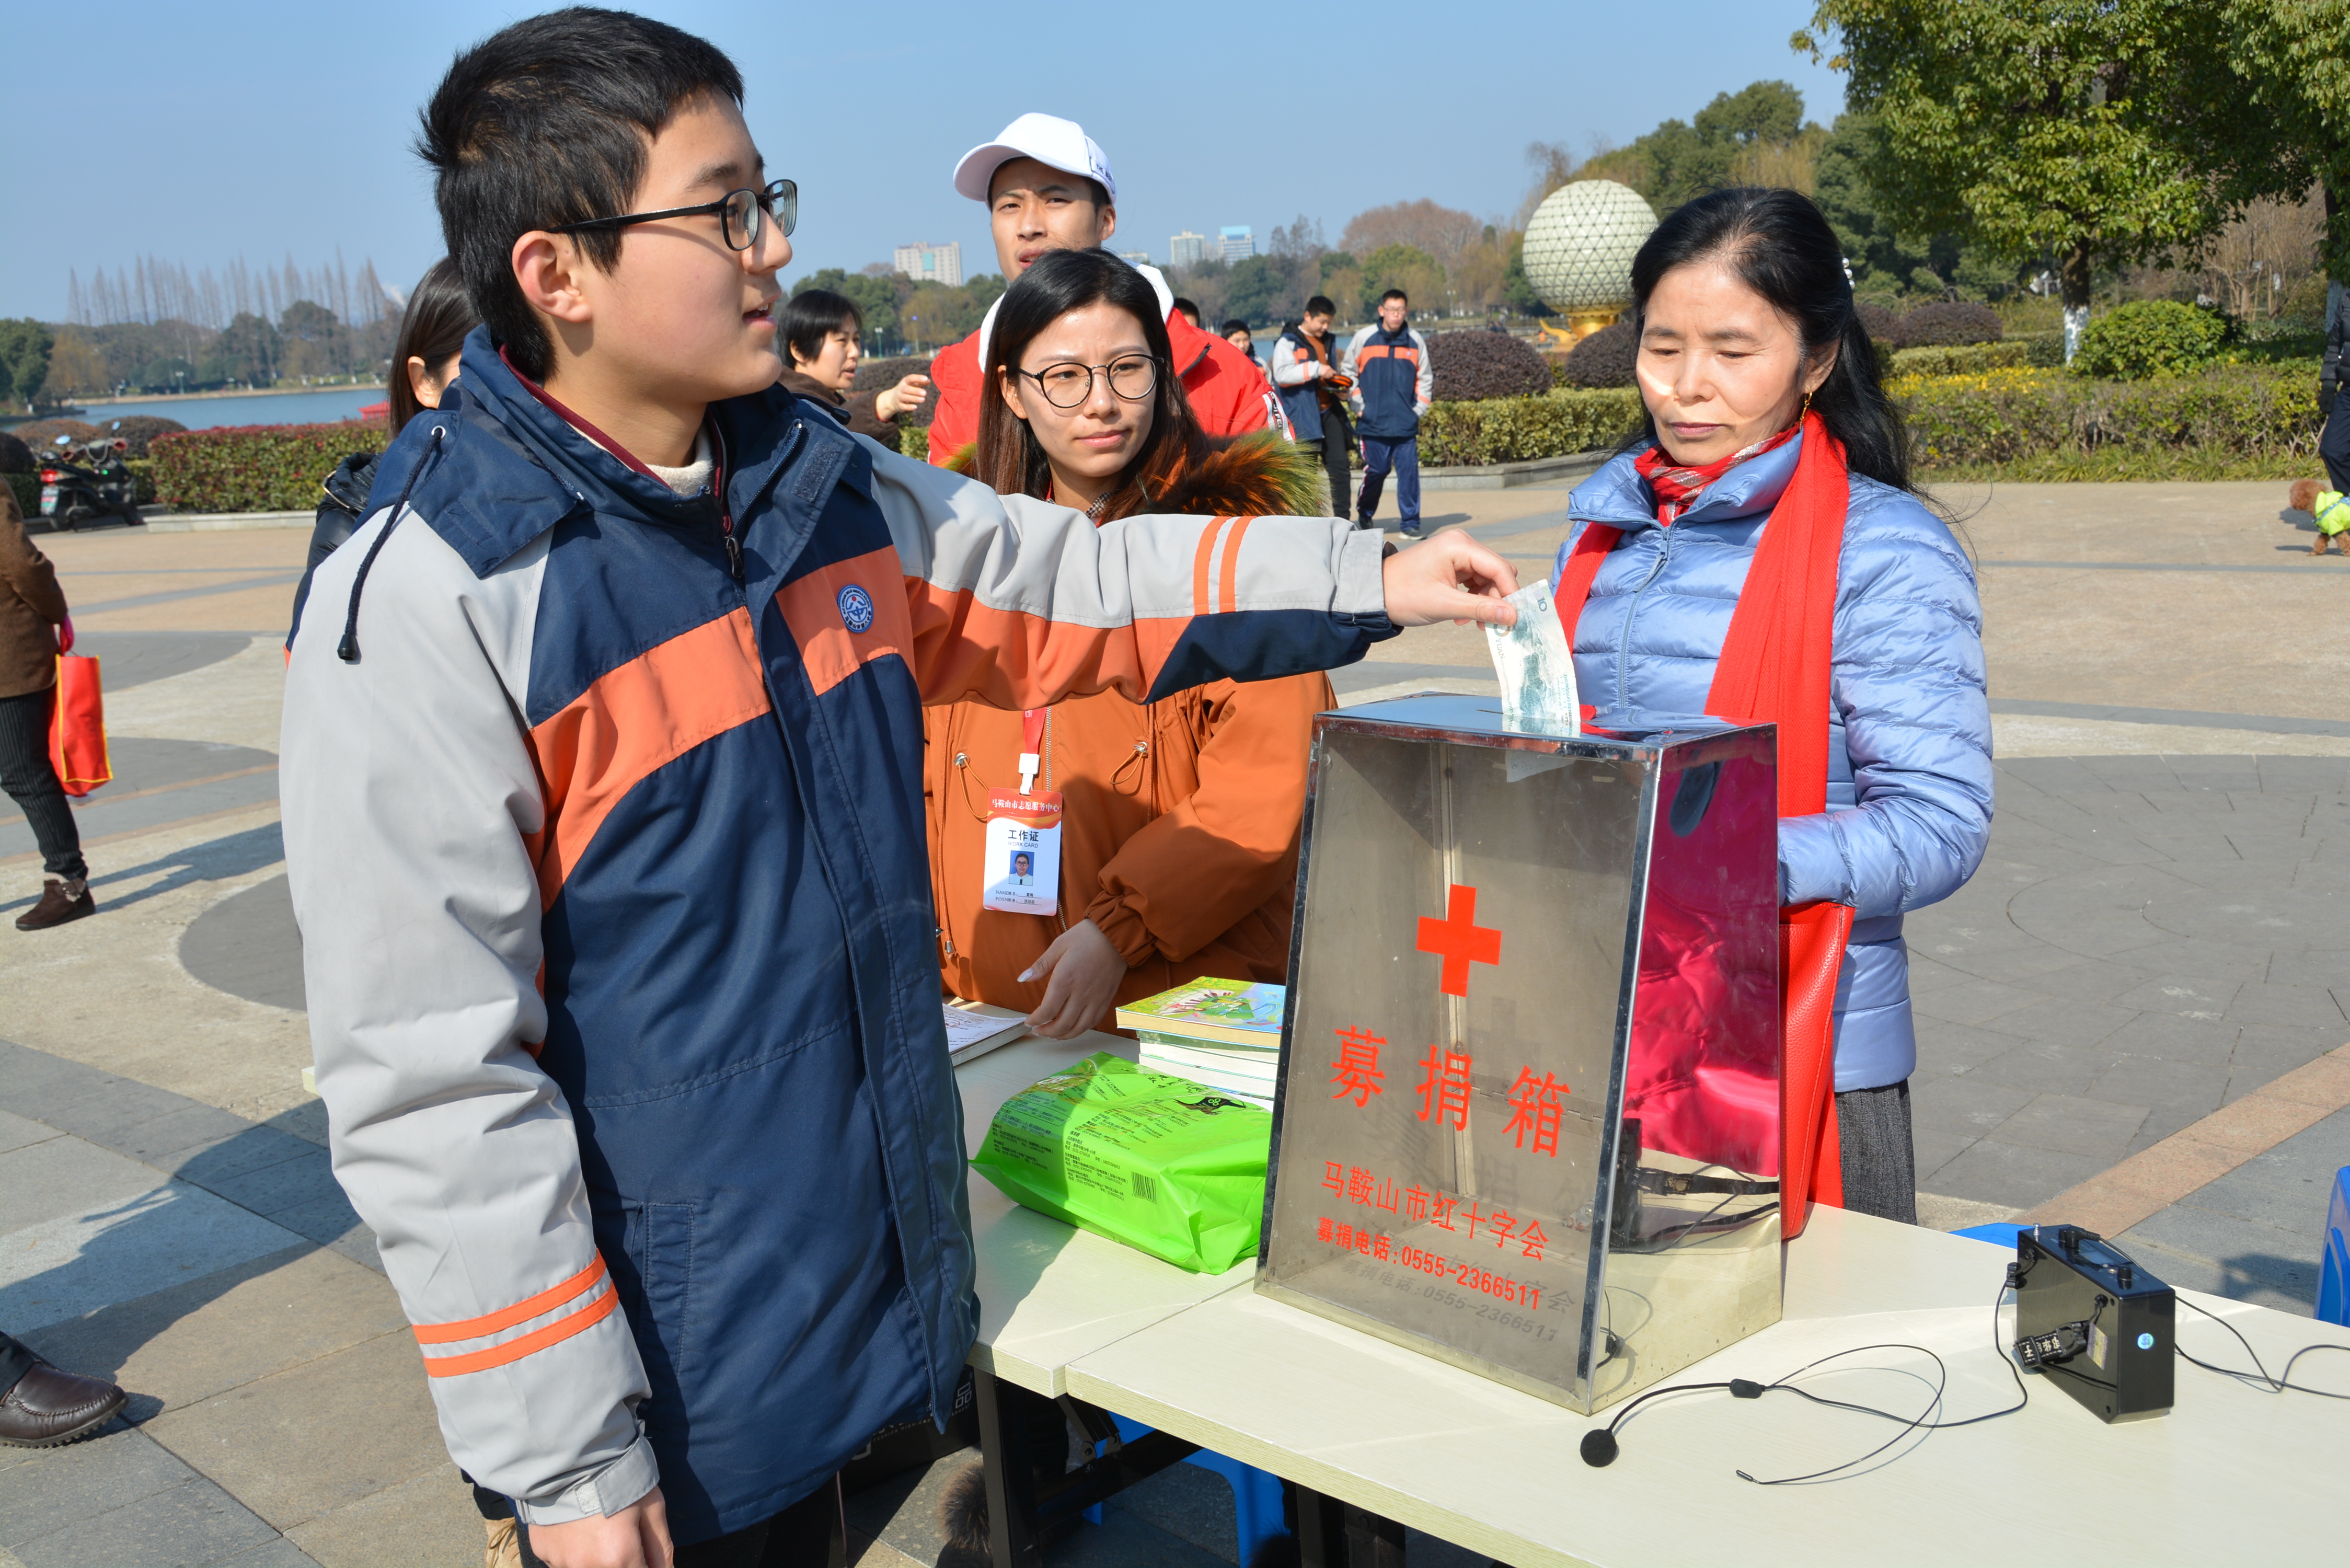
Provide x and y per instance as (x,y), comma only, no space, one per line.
(2329,507)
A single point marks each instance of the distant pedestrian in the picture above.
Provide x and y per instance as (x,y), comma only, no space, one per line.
(822,334)
(34,629)
(1188,312)
(2334,444)
(424,362)
(1393,386)
(1236,333)
(1312,394)
(43,1408)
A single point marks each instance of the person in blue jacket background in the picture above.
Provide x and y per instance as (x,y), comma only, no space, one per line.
(1745,317)
(1393,386)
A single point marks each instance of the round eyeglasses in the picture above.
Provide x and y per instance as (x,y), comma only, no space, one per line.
(1131,376)
(740,214)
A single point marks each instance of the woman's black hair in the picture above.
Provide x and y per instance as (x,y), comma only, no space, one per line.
(1010,460)
(1781,246)
(433,329)
(812,316)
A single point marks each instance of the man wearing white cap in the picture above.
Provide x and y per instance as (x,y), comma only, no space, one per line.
(1047,186)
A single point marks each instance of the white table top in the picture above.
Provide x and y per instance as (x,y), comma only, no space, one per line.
(1050,1293)
(2231,1475)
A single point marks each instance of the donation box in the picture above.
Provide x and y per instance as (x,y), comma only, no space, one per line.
(1528,1117)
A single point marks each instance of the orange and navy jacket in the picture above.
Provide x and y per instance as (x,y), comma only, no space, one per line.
(1394,383)
(603,814)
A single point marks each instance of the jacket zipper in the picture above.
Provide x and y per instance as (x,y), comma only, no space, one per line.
(1624,642)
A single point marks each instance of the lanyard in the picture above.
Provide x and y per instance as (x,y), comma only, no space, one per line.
(1032,747)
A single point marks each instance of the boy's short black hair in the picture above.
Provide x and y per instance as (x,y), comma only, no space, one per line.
(1189,311)
(814,315)
(1229,327)
(548,123)
(1394,293)
(1320,305)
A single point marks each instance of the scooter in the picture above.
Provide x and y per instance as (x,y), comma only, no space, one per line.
(80,483)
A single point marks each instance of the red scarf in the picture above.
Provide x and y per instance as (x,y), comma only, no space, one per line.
(1677,487)
(1774,668)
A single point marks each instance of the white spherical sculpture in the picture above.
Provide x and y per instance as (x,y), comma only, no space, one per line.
(1579,249)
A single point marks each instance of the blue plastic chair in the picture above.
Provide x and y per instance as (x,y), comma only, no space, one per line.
(2334,1273)
(2002,1235)
(1256,1495)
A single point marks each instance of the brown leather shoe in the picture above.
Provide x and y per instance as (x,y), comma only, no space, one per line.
(60,901)
(48,1407)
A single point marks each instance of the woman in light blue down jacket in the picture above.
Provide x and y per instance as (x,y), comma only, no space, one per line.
(1746,319)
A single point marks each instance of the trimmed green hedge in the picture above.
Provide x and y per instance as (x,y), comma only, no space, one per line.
(2232,421)
(255,468)
(1514,429)
(1959,361)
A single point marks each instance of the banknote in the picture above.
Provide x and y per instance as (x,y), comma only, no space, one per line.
(1536,671)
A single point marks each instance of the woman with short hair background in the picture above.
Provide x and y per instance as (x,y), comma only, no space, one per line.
(822,333)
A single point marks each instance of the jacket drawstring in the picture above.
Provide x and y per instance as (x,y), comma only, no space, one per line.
(347,651)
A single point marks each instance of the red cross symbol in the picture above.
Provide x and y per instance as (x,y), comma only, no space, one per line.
(1458,940)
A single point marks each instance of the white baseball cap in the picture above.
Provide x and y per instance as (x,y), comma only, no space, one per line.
(1050,140)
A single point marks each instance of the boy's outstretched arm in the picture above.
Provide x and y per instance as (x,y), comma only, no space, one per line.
(1018,602)
(410,802)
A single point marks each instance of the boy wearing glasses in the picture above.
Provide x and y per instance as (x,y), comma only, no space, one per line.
(603,818)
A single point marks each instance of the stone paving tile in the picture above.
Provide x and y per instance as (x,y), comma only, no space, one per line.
(2171,1038)
(197,1525)
(45,1488)
(2189,996)
(66,1175)
(2182,1091)
(2068,1020)
(2014,1175)
(2238,1256)
(2308,1006)
(2088,980)
(67,1267)
(210,1165)
(195,1340)
(18,1132)
(2074,1124)
(426,1521)
(1978,1002)
(2044,1066)
(283,1185)
(300,1444)
(1964,1105)
(158,1138)
(1945,1048)
(1935,1149)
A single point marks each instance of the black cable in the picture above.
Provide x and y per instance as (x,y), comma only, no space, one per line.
(2260,1378)
(1599,1446)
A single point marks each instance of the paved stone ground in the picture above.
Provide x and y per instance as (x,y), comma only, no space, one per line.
(166,1216)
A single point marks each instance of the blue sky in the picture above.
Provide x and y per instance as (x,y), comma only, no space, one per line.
(260,127)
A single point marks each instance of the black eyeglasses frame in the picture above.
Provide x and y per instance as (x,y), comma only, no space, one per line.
(784,194)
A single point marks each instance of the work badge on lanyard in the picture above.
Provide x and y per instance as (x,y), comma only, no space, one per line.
(1022,869)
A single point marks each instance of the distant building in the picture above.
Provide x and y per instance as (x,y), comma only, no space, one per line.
(1187,249)
(1140,258)
(1240,242)
(933,264)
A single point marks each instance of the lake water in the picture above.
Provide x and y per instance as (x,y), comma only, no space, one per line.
(262,408)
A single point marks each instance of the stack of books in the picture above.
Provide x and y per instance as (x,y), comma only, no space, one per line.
(1222,1033)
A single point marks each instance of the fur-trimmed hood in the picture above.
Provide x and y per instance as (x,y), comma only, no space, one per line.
(1260,474)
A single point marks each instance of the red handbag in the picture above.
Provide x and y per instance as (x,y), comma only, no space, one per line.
(77,729)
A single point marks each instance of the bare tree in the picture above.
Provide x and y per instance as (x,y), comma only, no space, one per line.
(2254,266)
(1301,239)
(1442,231)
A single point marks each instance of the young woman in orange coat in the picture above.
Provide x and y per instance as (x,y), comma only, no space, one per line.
(1178,843)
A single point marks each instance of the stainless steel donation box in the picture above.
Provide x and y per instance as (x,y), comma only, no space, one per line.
(1528,1118)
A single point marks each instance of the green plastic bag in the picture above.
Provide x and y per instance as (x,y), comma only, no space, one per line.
(1160,1163)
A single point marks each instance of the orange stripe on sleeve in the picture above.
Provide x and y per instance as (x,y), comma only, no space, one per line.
(630,722)
(537,1340)
(1011,659)
(539,1305)
(1231,597)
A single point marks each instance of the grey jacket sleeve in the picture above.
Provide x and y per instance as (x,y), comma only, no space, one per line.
(1291,368)
(1909,683)
(1424,391)
(411,808)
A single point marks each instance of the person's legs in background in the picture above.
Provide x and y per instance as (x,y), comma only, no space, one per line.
(1378,456)
(31,782)
(2334,444)
(1876,1156)
(1337,441)
(1405,455)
